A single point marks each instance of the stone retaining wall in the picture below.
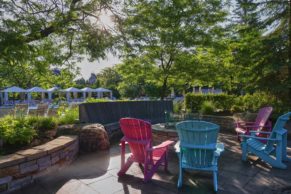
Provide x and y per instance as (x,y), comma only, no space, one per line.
(22,167)
(225,122)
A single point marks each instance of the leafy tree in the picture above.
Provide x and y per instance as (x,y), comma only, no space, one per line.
(259,49)
(109,78)
(160,31)
(138,78)
(64,79)
(276,20)
(36,34)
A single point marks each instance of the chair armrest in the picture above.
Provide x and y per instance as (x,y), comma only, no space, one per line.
(219,149)
(128,140)
(163,145)
(259,138)
(252,126)
(244,122)
(262,132)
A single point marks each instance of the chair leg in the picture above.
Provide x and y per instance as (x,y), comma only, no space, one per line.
(215,180)
(244,151)
(166,162)
(148,173)
(238,137)
(125,167)
(180,179)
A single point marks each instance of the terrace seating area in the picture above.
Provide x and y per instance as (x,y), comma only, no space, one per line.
(97,173)
(197,157)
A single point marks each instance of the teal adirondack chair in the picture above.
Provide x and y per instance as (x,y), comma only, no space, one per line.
(274,151)
(199,149)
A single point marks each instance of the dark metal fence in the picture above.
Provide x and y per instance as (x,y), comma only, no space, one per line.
(110,112)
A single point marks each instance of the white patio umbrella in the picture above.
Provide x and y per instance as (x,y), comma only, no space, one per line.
(51,91)
(35,90)
(87,90)
(13,89)
(71,90)
(100,92)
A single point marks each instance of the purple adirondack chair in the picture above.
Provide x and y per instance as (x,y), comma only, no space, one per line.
(261,123)
(138,135)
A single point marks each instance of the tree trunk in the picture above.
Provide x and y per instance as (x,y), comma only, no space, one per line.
(164,88)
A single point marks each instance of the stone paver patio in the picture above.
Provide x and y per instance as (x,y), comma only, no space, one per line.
(96,173)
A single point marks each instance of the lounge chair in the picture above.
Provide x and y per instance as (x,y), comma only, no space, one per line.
(138,135)
(199,149)
(274,151)
(261,123)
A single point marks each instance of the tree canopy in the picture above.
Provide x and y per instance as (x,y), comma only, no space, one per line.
(240,46)
(36,35)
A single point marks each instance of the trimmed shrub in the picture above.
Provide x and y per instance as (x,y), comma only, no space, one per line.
(93,100)
(42,124)
(193,102)
(178,106)
(207,107)
(253,102)
(68,115)
(249,102)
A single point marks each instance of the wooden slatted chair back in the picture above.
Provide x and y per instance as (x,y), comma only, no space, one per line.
(280,124)
(198,141)
(139,131)
(262,118)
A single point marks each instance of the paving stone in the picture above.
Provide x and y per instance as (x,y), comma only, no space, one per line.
(55,159)
(10,160)
(6,179)
(18,183)
(33,188)
(11,170)
(76,187)
(44,162)
(93,180)
(50,147)
(4,183)
(31,154)
(106,186)
(28,167)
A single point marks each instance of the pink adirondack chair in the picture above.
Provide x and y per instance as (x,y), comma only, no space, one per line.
(261,123)
(138,135)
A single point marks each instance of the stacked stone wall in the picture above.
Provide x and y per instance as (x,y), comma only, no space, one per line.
(23,167)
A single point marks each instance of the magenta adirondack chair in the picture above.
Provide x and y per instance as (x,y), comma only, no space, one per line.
(138,135)
(261,122)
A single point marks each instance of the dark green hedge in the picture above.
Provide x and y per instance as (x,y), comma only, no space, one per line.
(232,103)
(193,102)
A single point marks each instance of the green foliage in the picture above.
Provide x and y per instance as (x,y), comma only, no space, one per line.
(42,124)
(178,106)
(40,35)
(109,78)
(16,130)
(207,107)
(94,100)
(193,102)
(230,103)
(257,100)
(68,115)
(158,33)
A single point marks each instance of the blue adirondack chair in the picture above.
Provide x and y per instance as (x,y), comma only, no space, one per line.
(199,149)
(274,151)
